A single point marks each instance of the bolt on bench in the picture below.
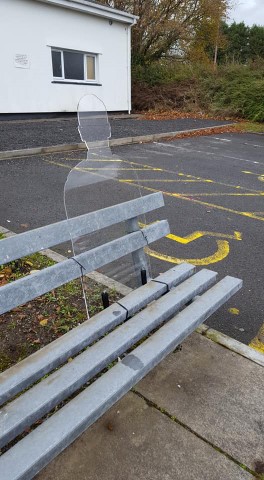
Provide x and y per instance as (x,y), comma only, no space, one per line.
(160,310)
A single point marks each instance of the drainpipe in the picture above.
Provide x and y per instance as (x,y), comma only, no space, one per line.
(129,65)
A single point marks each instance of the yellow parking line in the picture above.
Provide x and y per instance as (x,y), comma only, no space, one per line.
(252,173)
(177,195)
(196,178)
(258,342)
(200,202)
(164,180)
(224,194)
(119,160)
(92,169)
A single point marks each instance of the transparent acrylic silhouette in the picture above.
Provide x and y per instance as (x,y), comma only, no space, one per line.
(100,181)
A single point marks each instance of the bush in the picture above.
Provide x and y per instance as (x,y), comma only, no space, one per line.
(234,90)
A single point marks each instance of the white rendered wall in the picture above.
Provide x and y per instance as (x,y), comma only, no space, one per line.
(30,27)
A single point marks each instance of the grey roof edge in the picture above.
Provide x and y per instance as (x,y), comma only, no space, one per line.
(94,8)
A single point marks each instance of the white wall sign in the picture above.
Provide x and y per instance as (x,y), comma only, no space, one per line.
(21,60)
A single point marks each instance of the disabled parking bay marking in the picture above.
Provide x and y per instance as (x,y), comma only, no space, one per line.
(223,248)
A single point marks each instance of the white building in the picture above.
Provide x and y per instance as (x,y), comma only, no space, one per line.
(55,51)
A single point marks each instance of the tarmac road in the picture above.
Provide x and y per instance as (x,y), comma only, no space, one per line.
(213,189)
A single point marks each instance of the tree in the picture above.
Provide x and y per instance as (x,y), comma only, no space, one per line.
(256,42)
(243,43)
(238,39)
(163,24)
(208,37)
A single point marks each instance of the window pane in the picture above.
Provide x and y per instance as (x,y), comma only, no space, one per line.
(73,66)
(90,62)
(56,64)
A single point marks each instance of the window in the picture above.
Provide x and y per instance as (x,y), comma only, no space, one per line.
(74,66)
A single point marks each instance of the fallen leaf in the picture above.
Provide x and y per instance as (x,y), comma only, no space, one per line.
(234,311)
(43,322)
(33,271)
(29,263)
(7,271)
(37,341)
(110,426)
(24,225)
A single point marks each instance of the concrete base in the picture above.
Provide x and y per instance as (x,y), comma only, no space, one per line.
(200,419)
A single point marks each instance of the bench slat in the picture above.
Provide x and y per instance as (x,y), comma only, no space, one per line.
(28,371)
(44,237)
(32,286)
(32,453)
(44,396)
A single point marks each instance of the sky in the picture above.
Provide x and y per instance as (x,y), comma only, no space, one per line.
(248,11)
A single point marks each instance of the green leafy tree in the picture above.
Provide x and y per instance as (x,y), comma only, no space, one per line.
(256,42)
(243,43)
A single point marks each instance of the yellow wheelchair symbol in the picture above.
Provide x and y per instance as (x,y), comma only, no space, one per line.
(223,248)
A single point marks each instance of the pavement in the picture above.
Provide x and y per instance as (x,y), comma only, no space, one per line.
(20,134)
(197,416)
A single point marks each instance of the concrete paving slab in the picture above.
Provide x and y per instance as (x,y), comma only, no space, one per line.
(134,441)
(215,392)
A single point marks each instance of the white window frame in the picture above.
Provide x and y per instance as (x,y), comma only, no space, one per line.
(72,80)
(93,55)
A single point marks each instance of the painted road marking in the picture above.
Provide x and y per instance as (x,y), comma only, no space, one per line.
(195,178)
(258,342)
(222,139)
(253,145)
(189,176)
(206,153)
(224,194)
(164,180)
(95,169)
(181,196)
(259,175)
(222,252)
(199,234)
(175,195)
(252,173)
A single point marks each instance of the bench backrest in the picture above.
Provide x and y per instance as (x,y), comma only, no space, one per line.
(32,286)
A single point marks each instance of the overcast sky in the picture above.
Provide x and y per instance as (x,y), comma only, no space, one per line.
(248,11)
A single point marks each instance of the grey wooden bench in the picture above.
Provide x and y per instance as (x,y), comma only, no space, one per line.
(165,310)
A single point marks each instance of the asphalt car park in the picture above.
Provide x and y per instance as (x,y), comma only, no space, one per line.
(213,190)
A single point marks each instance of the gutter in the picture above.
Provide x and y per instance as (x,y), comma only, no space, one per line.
(94,9)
